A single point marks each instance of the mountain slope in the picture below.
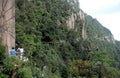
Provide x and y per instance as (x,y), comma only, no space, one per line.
(63,42)
(61,37)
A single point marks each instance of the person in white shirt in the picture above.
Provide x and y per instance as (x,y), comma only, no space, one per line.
(21,54)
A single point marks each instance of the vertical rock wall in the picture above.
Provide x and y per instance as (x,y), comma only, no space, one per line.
(82,19)
(77,13)
(7,23)
(71,22)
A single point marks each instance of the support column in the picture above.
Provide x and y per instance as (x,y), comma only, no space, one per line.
(7,23)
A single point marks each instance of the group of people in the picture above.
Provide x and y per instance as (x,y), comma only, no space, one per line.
(20,53)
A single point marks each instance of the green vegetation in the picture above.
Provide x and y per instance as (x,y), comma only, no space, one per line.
(41,29)
(54,50)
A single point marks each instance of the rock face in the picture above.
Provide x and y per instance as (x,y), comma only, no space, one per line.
(89,27)
(71,21)
(82,18)
(77,16)
(7,23)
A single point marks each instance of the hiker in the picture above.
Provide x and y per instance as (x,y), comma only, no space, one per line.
(12,51)
(18,53)
(21,53)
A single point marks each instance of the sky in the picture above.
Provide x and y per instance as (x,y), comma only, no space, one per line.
(107,12)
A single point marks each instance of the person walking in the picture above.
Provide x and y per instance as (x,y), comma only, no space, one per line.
(12,51)
(18,53)
(21,54)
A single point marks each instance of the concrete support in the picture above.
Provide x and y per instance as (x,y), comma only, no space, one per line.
(7,23)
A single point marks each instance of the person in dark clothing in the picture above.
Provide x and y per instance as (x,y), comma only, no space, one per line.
(18,52)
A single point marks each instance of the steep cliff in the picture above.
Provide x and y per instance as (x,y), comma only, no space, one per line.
(59,33)
(63,42)
(75,16)
(90,26)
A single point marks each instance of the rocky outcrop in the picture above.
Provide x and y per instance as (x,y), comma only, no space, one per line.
(7,23)
(82,19)
(71,21)
(75,16)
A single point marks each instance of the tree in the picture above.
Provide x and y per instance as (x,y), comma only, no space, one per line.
(102,63)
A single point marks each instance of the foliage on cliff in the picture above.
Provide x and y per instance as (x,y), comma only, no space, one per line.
(54,50)
(58,52)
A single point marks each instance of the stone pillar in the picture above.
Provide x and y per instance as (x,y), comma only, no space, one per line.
(7,23)
(82,19)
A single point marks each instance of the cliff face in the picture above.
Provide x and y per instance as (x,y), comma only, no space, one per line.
(57,34)
(7,23)
(77,16)
(90,27)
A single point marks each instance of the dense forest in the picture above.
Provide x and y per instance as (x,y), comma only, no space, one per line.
(54,49)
